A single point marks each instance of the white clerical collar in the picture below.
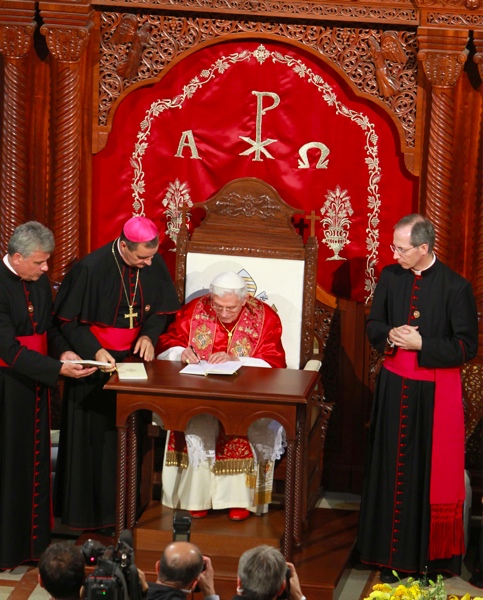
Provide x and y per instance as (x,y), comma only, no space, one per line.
(5,260)
(426,268)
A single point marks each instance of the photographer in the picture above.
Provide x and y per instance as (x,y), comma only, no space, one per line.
(263,574)
(62,571)
(181,568)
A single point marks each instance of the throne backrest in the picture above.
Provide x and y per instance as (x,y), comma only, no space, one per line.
(247,229)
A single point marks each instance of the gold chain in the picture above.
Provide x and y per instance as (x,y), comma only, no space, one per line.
(130,315)
(228,331)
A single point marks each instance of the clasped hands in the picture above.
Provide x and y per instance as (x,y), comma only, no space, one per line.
(406,337)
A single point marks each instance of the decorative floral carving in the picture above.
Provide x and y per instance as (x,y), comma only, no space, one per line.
(442,68)
(15,40)
(348,11)
(468,4)
(66,44)
(346,47)
(389,51)
(437,18)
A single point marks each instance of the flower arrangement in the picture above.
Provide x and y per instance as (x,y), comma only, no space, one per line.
(414,589)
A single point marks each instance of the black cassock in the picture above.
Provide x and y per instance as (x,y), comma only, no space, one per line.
(25,497)
(93,293)
(394,524)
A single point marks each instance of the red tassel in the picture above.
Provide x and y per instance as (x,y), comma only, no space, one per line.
(447,537)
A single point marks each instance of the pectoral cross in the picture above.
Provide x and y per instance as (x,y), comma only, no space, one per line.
(130,315)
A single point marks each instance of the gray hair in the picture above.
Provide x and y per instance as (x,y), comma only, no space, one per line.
(261,571)
(30,237)
(422,230)
(216,290)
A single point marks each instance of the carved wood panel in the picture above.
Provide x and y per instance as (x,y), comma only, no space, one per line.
(361,55)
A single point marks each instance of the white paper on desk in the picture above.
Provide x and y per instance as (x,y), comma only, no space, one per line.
(206,368)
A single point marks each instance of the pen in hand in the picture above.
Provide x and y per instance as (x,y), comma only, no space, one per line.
(195,353)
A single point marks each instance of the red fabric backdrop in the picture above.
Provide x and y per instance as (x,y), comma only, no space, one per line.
(248,109)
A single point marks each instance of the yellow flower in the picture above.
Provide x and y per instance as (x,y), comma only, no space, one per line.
(382,587)
(379,594)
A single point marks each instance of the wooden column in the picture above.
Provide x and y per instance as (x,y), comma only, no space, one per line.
(67,35)
(478,253)
(442,54)
(17,27)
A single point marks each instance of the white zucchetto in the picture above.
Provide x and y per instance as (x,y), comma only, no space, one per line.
(228,281)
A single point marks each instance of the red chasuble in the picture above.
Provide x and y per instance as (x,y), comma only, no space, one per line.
(257,333)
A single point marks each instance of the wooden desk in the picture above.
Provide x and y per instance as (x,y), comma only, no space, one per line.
(237,401)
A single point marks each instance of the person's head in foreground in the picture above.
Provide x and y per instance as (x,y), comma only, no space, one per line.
(180,566)
(62,571)
(261,573)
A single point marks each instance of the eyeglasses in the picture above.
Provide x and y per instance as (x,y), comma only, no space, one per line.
(401,251)
(228,309)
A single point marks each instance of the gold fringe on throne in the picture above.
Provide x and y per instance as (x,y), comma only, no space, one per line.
(258,479)
(263,487)
(177,459)
(234,466)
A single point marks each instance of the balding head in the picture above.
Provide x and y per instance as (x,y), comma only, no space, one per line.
(180,565)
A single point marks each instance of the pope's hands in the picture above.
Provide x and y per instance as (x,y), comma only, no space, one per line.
(221,357)
(189,356)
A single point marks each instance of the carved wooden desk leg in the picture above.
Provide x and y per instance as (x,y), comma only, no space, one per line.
(287,539)
(132,470)
(121,480)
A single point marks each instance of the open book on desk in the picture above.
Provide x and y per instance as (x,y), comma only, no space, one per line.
(206,368)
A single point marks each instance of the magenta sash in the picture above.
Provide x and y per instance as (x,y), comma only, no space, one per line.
(447,486)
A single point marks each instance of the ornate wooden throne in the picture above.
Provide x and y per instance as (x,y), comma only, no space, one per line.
(248,229)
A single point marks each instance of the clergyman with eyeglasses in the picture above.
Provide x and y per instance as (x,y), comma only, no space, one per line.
(214,470)
(424,319)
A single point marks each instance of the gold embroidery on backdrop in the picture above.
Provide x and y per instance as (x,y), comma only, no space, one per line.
(322,163)
(177,196)
(336,222)
(347,48)
(261,54)
(258,145)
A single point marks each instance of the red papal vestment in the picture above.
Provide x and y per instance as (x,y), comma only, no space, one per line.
(213,470)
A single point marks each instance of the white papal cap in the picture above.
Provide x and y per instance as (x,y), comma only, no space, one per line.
(228,281)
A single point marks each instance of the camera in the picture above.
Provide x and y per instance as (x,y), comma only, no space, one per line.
(115,576)
(286,592)
(181,526)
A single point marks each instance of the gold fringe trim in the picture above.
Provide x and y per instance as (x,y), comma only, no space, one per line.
(233,466)
(177,459)
(251,481)
(262,497)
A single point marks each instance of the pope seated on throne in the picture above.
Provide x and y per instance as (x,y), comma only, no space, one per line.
(204,468)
